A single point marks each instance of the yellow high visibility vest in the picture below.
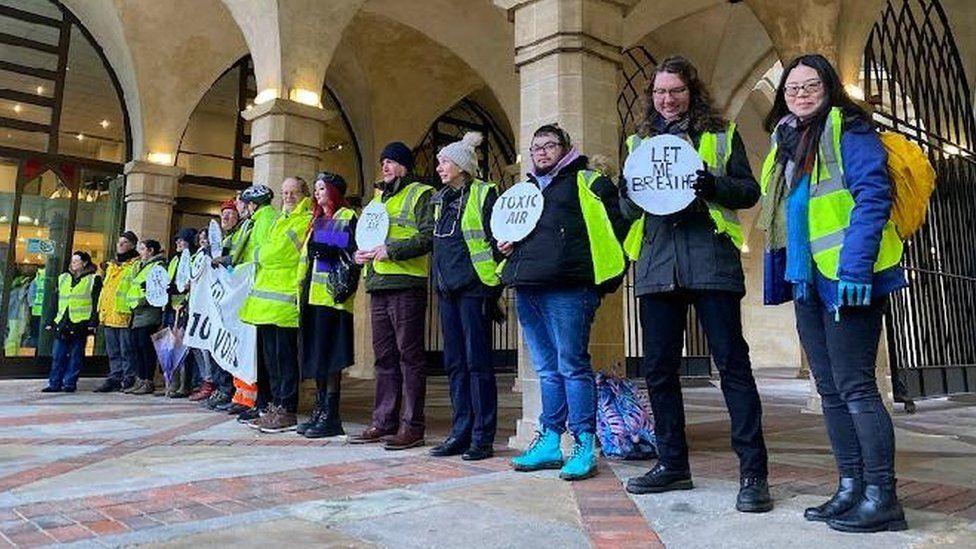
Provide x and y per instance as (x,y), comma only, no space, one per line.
(473,232)
(274,297)
(75,300)
(831,204)
(714,150)
(403,226)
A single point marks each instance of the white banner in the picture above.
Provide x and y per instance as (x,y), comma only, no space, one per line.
(215,298)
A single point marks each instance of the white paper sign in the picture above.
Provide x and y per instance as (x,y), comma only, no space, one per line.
(183,271)
(157,282)
(215,300)
(197,263)
(660,173)
(373,226)
(215,237)
(516,212)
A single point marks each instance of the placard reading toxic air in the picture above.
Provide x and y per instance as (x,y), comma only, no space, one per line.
(660,172)
(516,212)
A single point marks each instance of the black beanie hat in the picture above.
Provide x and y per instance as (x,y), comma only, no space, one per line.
(399,153)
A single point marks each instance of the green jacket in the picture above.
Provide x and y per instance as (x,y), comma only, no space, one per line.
(417,246)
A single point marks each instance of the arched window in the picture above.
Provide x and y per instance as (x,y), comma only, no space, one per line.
(64,135)
(915,79)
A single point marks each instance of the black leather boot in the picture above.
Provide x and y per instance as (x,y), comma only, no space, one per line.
(329,424)
(878,510)
(660,479)
(849,491)
(753,496)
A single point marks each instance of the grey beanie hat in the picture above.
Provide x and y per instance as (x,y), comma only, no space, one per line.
(464,153)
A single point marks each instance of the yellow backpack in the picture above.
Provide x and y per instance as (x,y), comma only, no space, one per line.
(912,182)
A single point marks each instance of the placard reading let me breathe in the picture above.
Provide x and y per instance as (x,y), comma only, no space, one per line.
(660,172)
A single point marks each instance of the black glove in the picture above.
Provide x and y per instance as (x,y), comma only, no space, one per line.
(705,187)
(622,187)
(142,285)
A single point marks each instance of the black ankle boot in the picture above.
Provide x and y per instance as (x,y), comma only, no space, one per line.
(329,423)
(878,510)
(849,491)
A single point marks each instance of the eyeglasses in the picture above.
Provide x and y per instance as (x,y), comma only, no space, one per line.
(673,92)
(810,88)
(548,147)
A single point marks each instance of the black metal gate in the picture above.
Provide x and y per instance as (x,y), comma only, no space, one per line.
(496,154)
(635,74)
(914,77)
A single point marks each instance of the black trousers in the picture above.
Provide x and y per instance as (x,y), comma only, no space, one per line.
(470,373)
(143,351)
(279,347)
(663,318)
(842,358)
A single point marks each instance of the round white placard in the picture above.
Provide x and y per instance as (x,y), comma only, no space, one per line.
(516,212)
(183,271)
(215,237)
(197,262)
(157,281)
(660,173)
(373,226)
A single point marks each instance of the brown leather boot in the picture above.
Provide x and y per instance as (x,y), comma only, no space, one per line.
(404,440)
(370,436)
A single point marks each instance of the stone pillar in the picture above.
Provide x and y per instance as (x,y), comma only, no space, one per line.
(567,53)
(150,193)
(286,140)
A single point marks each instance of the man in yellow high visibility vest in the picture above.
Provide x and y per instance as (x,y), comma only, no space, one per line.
(114,314)
(396,279)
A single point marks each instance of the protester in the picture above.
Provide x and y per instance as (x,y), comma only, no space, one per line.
(327,325)
(221,381)
(833,249)
(467,292)
(146,318)
(76,318)
(559,271)
(115,314)
(255,208)
(396,279)
(271,305)
(180,382)
(692,258)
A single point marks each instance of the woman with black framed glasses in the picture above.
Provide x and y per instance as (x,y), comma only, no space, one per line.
(833,250)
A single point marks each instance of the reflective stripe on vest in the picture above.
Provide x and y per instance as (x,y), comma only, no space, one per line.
(714,150)
(76,300)
(318,286)
(403,226)
(605,250)
(472,229)
(831,204)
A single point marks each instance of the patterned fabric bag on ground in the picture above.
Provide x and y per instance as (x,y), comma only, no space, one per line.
(623,420)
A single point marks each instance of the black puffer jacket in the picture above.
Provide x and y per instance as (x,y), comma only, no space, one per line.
(557,252)
(682,250)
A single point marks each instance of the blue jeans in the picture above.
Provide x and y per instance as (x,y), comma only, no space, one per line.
(842,359)
(66,361)
(556,325)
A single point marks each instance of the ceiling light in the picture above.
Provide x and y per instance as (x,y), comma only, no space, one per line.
(18,108)
(80,137)
(165,159)
(265,95)
(40,90)
(103,124)
(339,147)
(305,97)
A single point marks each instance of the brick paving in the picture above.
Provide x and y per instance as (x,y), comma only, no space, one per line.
(151,484)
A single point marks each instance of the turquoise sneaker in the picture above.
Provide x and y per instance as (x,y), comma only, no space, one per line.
(582,464)
(543,453)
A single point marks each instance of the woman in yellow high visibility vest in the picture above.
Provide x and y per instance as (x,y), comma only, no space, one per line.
(833,250)
(327,270)
(272,305)
(691,257)
(75,319)
(146,318)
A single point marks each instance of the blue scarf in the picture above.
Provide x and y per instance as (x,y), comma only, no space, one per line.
(799,260)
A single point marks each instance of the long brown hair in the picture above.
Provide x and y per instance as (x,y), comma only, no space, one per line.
(702,115)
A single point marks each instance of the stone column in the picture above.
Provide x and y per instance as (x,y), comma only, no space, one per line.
(286,140)
(150,193)
(567,53)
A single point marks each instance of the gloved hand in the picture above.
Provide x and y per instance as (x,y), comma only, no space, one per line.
(622,187)
(705,187)
(853,294)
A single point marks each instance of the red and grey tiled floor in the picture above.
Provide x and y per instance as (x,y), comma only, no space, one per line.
(112,470)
